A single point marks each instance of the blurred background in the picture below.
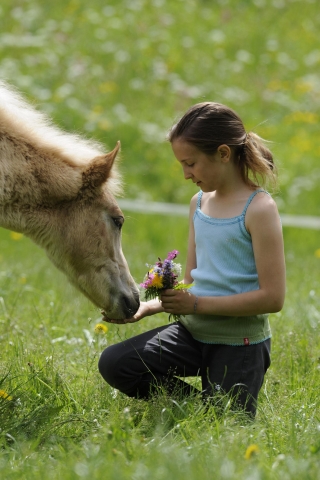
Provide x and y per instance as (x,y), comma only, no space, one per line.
(127,69)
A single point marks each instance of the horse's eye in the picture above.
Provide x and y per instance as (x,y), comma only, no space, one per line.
(118,221)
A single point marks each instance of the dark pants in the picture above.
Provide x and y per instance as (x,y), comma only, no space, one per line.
(157,357)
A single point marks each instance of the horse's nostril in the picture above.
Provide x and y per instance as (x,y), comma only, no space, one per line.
(131,305)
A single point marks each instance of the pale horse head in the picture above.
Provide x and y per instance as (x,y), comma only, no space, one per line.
(84,241)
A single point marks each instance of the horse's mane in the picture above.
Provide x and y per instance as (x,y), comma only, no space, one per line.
(22,120)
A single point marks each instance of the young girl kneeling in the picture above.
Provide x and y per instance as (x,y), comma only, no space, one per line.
(236,264)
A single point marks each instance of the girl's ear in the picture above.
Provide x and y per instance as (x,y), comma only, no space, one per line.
(224,152)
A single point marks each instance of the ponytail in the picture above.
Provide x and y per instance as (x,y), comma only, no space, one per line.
(256,161)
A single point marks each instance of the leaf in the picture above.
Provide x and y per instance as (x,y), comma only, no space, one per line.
(183,286)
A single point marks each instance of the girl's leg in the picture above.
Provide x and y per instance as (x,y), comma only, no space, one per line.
(138,365)
(236,370)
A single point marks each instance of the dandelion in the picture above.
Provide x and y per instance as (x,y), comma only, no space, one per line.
(5,395)
(251,451)
(16,236)
(100,328)
(317,253)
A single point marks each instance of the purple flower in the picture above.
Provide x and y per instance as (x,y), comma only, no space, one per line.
(172,255)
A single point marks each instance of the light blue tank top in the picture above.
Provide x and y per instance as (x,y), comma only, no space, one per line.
(225,260)
(225,266)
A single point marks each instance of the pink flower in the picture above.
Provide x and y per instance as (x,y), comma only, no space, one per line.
(172,255)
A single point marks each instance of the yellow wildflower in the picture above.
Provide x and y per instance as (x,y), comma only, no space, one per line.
(105,125)
(100,328)
(16,235)
(251,451)
(108,87)
(301,142)
(97,109)
(317,253)
(157,281)
(4,395)
(302,117)
(303,86)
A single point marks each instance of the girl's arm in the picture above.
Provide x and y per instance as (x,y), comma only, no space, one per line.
(145,310)
(191,254)
(263,223)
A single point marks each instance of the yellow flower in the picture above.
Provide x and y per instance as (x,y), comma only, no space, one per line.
(16,235)
(301,142)
(107,87)
(100,328)
(317,253)
(303,86)
(157,281)
(302,117)
(105,124)
(251,451)
(4,395)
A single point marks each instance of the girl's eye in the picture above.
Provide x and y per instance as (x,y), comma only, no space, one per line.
(190,165)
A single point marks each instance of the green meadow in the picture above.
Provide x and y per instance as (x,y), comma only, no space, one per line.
(127,70)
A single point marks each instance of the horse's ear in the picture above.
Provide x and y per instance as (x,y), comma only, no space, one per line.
(99,169)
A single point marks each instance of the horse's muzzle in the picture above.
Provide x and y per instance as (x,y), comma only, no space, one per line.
(130,305)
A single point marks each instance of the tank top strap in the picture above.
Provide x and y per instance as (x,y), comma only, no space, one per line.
(251,198)
(199,199)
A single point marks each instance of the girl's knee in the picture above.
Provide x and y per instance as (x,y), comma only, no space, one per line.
(108,365)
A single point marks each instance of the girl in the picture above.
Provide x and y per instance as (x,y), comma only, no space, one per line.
(235,261)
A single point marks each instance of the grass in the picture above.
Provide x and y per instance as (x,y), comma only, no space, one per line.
(63,421)
(126,70)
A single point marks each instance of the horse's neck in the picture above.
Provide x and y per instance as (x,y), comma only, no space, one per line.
(31,179)
(36,223)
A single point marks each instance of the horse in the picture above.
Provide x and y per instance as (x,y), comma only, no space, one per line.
(59,189)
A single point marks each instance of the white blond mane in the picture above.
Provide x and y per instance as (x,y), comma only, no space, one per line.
(23,121)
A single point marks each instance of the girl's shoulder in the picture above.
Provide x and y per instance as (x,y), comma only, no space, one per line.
(262,210)
(194,203)
(194,200)
(261,201)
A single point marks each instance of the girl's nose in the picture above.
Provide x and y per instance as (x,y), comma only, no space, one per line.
(187,174)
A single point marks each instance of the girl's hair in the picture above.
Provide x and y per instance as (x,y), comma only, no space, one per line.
(208,125)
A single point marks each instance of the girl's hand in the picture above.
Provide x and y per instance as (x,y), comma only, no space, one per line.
(178,302)
(142,312)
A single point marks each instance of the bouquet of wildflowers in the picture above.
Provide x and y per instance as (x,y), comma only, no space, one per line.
(162,275)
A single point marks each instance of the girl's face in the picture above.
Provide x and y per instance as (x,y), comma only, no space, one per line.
(207,171)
